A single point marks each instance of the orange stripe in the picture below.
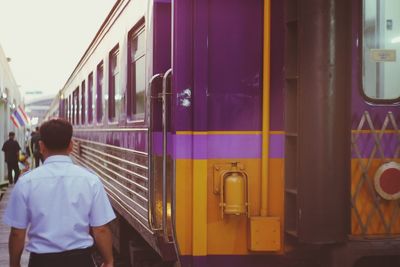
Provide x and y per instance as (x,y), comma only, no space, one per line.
(225,132)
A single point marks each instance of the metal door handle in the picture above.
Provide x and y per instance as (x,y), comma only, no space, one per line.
(150,172)
(164,153)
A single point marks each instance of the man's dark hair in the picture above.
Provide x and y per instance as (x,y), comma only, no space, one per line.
(11,134)
(56,134)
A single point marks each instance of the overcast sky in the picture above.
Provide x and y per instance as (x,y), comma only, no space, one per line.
(46,38)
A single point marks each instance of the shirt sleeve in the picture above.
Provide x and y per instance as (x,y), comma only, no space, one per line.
(16,214)
(101,211)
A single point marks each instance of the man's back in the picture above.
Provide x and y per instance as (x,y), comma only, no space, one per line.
(60,201)
(11,148)
(60,205)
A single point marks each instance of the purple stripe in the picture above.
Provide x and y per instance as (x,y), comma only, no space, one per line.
(157,143)
(15,121)
(226,146)
(18,117)
(234,146)
(131,140)
(277,146)
(365,143)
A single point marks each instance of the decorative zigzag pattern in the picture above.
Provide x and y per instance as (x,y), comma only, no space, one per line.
(373,144)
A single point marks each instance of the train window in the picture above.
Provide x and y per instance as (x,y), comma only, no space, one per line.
(90,98)
(75,108)
(381,49)
(72,110)
(69,109)
(136,73)
(99,93)
(114,91)
(65,108)
(83,102)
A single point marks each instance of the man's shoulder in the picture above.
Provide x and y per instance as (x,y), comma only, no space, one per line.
(37,172)
(77,171)
(6,143)
(87,172)
(28,176)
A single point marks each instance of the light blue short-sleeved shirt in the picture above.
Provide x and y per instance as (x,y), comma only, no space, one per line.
(58,202)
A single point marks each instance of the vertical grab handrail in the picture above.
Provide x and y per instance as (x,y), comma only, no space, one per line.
(150,138)
(164,154)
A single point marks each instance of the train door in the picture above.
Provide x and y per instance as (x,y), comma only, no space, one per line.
(375,126)
(159,104)
(217,106)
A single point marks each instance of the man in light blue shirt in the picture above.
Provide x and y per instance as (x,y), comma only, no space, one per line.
(59,203)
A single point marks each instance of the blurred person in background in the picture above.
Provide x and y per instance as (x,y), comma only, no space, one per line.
(34,147)
(11,150)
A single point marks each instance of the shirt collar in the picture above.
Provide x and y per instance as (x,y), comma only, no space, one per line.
(58,158)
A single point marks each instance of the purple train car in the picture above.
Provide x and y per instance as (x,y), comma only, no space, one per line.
(245,133)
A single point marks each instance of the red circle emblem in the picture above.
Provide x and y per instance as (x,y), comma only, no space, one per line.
(387,181)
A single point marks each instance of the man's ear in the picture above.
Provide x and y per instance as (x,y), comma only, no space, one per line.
(70,147)
(42,147)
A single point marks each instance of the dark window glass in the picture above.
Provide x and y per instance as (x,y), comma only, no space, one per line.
(90,98)
(136,73)
(99,93)
(64,107)
(83,103)
(114,94)
(70,108)
(75,111)
(67,109)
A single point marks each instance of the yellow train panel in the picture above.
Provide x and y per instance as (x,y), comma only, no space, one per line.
(201,230)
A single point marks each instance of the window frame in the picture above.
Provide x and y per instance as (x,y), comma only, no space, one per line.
(132,117)
(113,57)
(90,92)
(70,109)
(83,102)
(66,109)
(99,93)
(76,106)
(368,99)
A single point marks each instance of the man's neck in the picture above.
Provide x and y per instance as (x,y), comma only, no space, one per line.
(51,154)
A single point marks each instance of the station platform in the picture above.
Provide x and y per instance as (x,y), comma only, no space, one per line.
(5,231)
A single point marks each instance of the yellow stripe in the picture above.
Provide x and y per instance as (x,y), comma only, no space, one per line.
(199,207)
(375,131)
(216,132)
(276,132)
(225,132)
(271,132)
(184,205)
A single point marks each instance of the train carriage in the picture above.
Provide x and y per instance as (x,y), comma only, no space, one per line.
(245,133)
